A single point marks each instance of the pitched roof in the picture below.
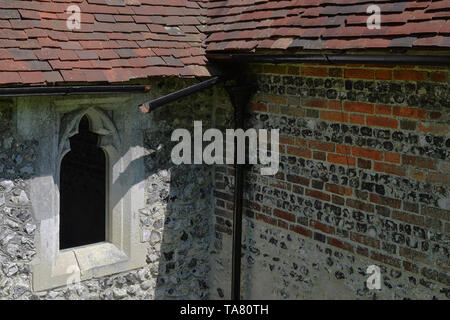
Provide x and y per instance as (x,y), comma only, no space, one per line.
(326,24)
(119,40)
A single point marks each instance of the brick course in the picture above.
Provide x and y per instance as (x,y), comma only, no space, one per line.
(358,173)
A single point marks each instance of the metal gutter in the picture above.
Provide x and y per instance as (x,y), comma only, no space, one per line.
(70,90)
(428,60)
(159,102)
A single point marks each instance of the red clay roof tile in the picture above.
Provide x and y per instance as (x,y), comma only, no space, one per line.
(342,24)
(115,42)
(121,40)
(9,77)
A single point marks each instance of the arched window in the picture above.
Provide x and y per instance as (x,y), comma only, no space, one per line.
(83,191)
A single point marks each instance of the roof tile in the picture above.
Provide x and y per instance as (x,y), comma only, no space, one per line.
(119,40)
(33,77)
(9,77)
(307,23)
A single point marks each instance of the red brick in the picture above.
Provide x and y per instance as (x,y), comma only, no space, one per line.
(338,189)
(438,76)
(335,105)
(389,168)
(393,203)
(223,229)
(365,240)
(284,215)
(433,115)
(359,73)
(299,152)
(357,119)
(334,116)
(410,75)
(441,178)
(367,153)
(292,70)
(286,140)
(386,259)
(392,157)
(322,227)
(314,72)
(408,218)
(301,142)
(419,162)
(337,200)
(300,230)
(316,103)
(383,74)
(272,98)
(319,155)
(362,251)
(279,175)
(411,267)
(340,159)
(276,69)
(382,109)
(382,122)
(414,113)
(266,219)
(343,149)
(360,205)
(323,146)
(253,205)
(414,255)
(283,224)
(359,107)
(297,179)
(435,213)
(340,244)
(364,164)
(259,107)
(317,194)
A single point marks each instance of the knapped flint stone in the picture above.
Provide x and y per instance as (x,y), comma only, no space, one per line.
(2,199)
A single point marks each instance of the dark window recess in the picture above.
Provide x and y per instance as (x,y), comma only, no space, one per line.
(82,191)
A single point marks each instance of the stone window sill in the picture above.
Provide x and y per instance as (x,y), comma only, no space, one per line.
(83,263)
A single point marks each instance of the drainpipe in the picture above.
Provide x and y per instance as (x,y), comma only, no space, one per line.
(427,60)
(70,90)
(239,96)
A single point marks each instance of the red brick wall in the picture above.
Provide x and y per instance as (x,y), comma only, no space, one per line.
(385,128)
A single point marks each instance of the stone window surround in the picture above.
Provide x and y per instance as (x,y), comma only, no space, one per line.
(123,145)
